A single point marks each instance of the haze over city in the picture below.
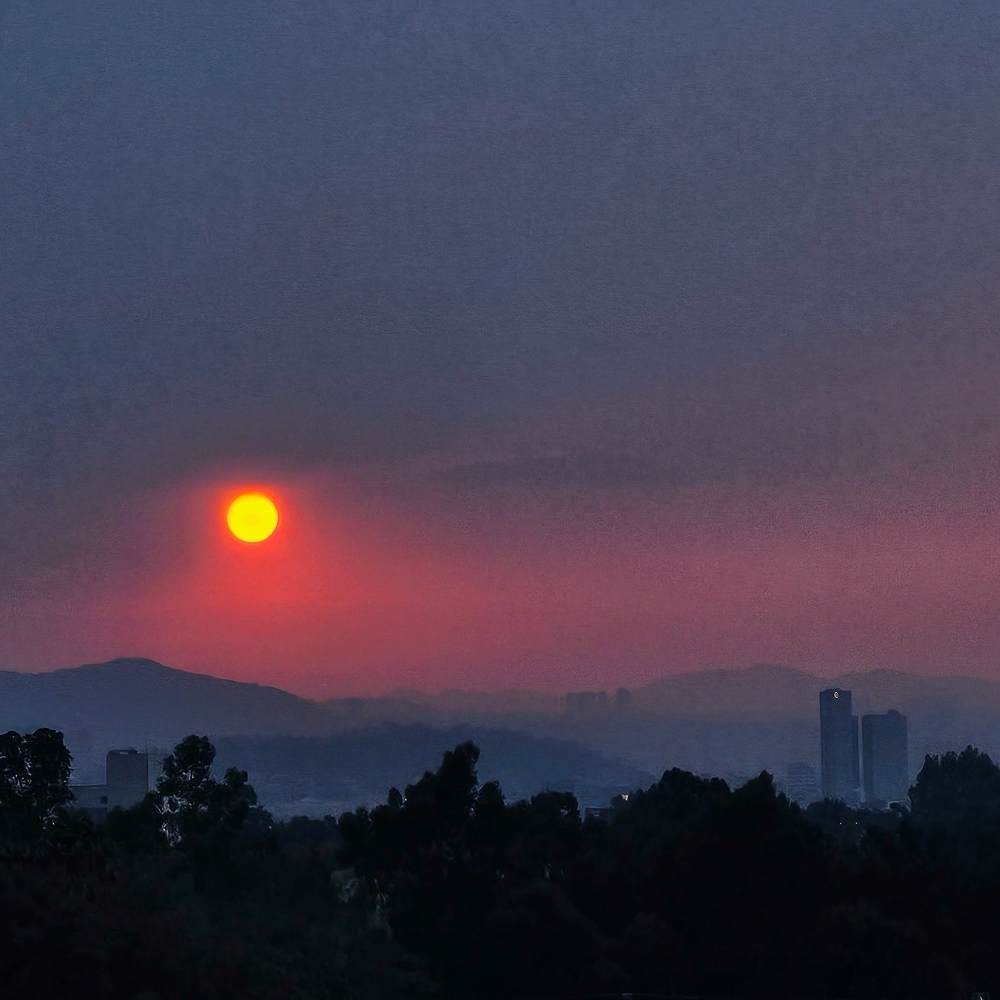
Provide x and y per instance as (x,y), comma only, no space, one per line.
(499,500)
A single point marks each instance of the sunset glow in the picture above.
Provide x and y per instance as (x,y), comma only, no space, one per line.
(647,349)
(252,517)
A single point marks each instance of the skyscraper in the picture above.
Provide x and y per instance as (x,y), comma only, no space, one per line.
(838,734)
(884,757)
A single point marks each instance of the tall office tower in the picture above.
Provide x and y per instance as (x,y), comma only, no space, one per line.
(838,741)
(884,757)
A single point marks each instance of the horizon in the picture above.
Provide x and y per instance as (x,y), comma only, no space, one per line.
(389,373)
(568,350)
(401,692)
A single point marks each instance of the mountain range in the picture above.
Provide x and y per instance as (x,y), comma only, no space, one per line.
(729,722)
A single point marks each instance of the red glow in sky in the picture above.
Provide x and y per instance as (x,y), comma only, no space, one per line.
(361,592)
(670,343)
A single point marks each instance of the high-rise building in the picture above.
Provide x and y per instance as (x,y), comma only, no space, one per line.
(884,755)
(840,773)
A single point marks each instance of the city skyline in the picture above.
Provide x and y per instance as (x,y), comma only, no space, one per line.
(728,724)
(448,454)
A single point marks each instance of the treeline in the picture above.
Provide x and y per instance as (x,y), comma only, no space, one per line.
(196,893)
(689,888)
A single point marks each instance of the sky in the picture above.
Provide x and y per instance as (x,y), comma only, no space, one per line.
(578,343)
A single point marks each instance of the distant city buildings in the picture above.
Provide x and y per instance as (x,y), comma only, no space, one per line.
(872,758)
(840,772)
(801,784)
(593,795)
(884,757)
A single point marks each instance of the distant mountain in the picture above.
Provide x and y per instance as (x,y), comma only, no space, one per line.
(140,703)
(508,701)
(732,723)
(303,757)
(144,696)
(878,690)
(762,691)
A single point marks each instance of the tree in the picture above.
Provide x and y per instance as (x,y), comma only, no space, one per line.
(427,825)
(136,830)
(654,818)
(200,815)
(34,785)
(955,813)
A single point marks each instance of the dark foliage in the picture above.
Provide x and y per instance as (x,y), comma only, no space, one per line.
(955,815)
(689,888)
(34,787)
(186,895)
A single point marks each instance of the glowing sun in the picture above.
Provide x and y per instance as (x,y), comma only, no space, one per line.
(252,517)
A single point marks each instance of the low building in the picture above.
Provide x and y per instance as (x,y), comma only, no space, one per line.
(126,784)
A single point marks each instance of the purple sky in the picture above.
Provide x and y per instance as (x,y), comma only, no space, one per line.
(580,343)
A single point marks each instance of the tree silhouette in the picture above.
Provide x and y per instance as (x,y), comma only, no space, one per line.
(200,815)
(955,813)
(34,785)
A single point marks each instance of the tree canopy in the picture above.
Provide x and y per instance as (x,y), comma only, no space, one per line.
(446,889)
(34,785)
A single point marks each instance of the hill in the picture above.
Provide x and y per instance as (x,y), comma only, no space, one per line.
(763,691)
(153,697)
(140,702)
(302,757)
(732,723)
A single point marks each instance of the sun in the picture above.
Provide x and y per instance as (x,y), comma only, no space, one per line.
(252,517)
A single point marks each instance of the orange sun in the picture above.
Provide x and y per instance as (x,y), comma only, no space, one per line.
(252,517)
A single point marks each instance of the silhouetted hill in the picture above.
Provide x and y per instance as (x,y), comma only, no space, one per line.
(303,757)
(152,697)
(877,690)
(507,701)
(763,691)
(140,702)
(321,775)
(732,723)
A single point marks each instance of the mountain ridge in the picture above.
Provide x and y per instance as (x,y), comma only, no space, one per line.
(761,690)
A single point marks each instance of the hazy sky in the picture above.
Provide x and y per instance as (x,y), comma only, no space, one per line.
(579,342)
